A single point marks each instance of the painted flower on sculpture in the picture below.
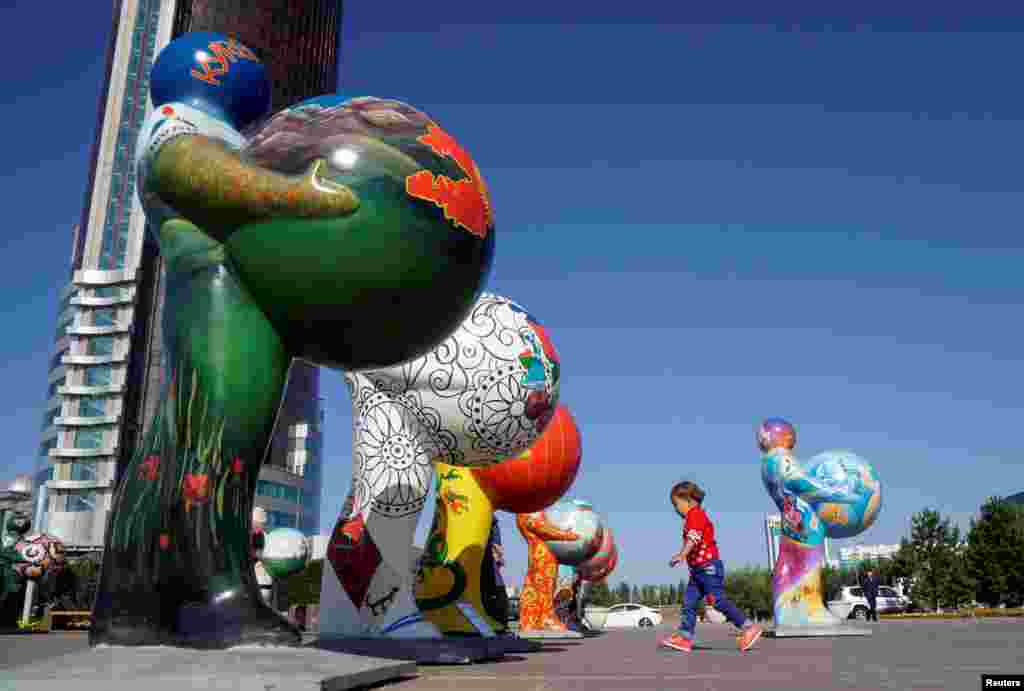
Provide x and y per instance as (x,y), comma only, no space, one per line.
(457,502)
(196,489)
(165,540)
(148,468)
(397,452)
(236,466)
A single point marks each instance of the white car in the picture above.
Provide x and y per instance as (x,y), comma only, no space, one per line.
(630,616)
(852,603)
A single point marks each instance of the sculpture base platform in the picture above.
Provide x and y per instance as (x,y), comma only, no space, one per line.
(544,635)
(161,668)
(816,631)
(430,651)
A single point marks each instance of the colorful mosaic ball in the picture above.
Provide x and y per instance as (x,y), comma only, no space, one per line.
(396,273)
(579,517)
(854,492)
(600,566)
(286,551)
(775,433)
(215,74)
(43,555)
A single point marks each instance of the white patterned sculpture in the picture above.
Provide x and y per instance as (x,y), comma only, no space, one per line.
(485,394)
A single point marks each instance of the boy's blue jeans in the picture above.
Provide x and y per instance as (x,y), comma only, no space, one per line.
(707,581)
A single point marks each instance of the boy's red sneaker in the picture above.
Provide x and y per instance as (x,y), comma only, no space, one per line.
(677,642)
(749,637)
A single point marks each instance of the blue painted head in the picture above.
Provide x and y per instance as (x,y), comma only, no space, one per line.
(215,74)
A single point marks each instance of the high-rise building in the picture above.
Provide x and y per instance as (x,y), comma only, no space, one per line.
(107,364)
(772,536)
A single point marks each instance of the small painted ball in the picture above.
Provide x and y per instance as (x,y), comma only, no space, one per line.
(579,518)
(855,489)
(286,551)
(775,433)
(215,74)
(43,555)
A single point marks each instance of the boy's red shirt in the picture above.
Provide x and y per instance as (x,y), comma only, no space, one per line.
(699,529)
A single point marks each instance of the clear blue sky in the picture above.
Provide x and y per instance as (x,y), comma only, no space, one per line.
(720,219)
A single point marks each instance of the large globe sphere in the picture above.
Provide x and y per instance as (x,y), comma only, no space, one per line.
(775,433)
(600,566)
(286,551)
(214,74)
(579,517)
(855,489)
(43,555)
(539,476)
(389,281)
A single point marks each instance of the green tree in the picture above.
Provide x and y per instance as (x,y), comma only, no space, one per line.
(622,593)
(960,587)
(635,594)
(673,594)
(680,591)
(995,545)
(601,595)
(934,541)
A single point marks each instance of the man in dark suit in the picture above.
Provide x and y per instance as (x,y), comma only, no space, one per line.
(870,585)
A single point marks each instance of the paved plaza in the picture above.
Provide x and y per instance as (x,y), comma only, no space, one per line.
(902,655)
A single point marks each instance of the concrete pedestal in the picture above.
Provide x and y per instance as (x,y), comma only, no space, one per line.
(160,668)
(437,651)
(816,631)
(544,635)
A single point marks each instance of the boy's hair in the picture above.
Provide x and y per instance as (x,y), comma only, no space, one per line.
(687,490)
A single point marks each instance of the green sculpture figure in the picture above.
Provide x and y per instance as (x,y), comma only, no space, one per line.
(349,233)
(15,526)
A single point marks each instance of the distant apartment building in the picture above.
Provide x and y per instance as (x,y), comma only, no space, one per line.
(851,556)
(107,363)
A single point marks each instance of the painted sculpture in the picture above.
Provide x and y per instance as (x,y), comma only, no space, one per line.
(536,601)
(12,560)
(566,599)
(493,592)
(577,516)
(594,570)
(835,494)
(352,234)
(464,525)
(258,533)
(599,566)
(484,394)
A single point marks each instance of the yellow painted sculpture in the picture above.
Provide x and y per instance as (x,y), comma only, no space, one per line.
(450,570)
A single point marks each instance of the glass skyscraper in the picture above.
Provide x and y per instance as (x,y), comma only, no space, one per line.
(107,362)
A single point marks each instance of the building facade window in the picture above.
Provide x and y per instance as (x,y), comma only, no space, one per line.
(101,375)
(55,361)
(44,448)
(281,519)
(104,317)
(275,490)
(100,345)
(51,390)
(92,406)
(109,292)
(81,501)
(91,438)
(50,417)
(83,471)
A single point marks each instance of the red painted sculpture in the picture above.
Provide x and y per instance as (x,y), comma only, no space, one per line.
(539,476)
